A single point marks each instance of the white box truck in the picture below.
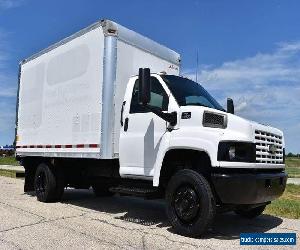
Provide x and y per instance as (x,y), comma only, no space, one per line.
(90,114)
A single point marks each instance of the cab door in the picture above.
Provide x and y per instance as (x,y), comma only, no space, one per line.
(142,132)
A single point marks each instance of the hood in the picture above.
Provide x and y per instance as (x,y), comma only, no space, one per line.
(269,141)
(243,129)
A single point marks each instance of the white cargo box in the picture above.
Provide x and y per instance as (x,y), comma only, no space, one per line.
(70,94)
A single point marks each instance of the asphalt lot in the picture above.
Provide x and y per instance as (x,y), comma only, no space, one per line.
(82,221)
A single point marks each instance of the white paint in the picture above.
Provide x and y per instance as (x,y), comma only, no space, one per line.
(145,138)
(61,91)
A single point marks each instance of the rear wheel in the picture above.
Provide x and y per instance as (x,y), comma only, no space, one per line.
(190,203)
(48,183)
(250,213)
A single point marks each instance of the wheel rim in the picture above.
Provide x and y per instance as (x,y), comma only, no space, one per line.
(41,183)
(186,203)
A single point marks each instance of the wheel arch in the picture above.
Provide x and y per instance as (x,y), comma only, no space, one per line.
(177,158)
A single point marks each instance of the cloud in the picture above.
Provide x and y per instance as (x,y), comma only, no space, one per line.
(9,4)
(265,88)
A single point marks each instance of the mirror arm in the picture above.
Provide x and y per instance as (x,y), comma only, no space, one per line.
(169,117)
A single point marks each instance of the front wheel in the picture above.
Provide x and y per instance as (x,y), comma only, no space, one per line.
(250,213)
(190,203)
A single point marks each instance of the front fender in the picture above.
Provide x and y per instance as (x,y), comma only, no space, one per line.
(205,140)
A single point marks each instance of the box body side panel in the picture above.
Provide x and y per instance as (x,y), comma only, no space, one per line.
(60,100)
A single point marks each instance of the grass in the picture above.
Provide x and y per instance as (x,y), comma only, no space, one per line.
(10,160)
(288,205)
(293,167)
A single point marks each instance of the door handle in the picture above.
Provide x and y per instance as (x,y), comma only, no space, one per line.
(126,124)
(122,111)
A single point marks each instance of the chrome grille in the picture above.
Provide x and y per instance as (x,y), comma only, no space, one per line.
(263,141)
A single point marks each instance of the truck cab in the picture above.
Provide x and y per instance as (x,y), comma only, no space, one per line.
(172,129)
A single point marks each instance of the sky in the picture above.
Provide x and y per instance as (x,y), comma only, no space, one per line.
(247,50)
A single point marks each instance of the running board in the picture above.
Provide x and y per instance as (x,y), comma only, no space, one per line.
(147,193)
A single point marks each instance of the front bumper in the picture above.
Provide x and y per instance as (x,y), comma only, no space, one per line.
(248,187)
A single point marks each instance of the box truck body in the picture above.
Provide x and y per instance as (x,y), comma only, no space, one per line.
(86,119)
(70,94)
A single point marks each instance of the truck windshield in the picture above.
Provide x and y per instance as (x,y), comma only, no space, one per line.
(188,92)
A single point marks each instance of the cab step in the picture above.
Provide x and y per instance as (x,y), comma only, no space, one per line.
(147,193)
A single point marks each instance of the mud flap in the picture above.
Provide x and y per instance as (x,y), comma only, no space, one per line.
(29,179)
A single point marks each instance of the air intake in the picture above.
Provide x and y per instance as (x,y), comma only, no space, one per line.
(214,120)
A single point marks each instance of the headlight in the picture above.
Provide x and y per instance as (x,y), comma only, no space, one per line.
(236,151)
(231,153)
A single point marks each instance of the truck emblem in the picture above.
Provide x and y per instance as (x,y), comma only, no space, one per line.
(186,115)
(272,149)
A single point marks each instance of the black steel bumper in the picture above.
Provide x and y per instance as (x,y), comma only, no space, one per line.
(248,188)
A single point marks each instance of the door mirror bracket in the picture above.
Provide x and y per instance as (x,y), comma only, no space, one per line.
(168,117)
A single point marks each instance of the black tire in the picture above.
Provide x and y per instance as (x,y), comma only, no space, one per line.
(250,213)
(48,183)
(191,205)
(101,189)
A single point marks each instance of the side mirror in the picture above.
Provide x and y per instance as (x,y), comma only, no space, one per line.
(144,86)
(230,106)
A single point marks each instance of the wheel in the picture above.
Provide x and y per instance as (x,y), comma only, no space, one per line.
(190,203)
(48,184)
(250,213)
(101,189)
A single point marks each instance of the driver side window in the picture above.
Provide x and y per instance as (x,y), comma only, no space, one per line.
(159,98)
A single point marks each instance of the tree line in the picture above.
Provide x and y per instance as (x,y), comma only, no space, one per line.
(292,155)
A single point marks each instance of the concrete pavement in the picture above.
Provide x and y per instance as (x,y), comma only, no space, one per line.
(12,168)
(83,221)
(295,181)
(12,171)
